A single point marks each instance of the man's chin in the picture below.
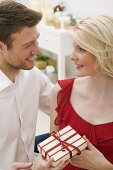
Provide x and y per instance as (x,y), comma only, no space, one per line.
(27,68)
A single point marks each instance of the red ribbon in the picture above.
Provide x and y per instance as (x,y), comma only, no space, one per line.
(64,144)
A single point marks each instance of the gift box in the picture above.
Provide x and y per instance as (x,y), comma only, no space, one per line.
(62,145)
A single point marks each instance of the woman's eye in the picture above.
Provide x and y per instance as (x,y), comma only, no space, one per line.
(81,50)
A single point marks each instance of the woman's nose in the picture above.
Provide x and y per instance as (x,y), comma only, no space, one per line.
(73,56)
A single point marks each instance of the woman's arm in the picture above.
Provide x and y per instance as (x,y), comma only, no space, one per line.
(53,105)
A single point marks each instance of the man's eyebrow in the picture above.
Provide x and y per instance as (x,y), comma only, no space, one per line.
(27,43)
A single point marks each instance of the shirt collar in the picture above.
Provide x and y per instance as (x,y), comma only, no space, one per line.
(4,81)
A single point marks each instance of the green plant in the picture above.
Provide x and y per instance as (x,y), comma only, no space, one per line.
(42,61)
(72,20)
(42,57)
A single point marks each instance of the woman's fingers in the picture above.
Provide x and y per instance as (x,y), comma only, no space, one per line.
(49,163)
(61,165)
(89,145)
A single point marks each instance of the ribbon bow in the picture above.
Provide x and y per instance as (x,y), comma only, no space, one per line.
(65,144)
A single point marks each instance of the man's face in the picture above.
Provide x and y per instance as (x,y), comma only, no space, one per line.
(24,49)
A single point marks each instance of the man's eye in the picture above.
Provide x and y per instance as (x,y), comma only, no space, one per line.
(28,45)
(81,50)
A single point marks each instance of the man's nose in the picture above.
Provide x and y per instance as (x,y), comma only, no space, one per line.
(36,50)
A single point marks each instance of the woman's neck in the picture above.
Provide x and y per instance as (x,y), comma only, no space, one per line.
(99,81)
(99,84)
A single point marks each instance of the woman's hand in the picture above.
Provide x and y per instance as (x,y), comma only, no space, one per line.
(91,159)
(42,164)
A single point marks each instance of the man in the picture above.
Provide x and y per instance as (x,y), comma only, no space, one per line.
(23,88)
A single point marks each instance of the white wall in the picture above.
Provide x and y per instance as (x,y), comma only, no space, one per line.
(24,2)
(84,8)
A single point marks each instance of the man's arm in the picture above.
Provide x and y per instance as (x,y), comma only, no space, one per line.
(18,166)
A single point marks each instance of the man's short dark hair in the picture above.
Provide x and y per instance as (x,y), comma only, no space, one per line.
(13,18)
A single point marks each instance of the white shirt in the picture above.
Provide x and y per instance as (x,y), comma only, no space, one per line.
(19,104)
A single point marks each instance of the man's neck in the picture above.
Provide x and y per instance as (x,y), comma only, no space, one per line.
(10,73)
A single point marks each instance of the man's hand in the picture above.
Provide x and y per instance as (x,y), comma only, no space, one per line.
(18,166)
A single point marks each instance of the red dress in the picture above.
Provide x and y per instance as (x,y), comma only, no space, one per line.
(101,136)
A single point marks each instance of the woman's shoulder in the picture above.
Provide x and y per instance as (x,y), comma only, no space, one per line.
(80,83)
(62,85)
(66,82)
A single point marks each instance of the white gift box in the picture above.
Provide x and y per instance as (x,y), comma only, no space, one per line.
(62,145)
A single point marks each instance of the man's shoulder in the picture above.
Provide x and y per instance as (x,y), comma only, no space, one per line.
(34,75)
(31,72)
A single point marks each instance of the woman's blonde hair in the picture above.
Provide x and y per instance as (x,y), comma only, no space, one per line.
(95,34)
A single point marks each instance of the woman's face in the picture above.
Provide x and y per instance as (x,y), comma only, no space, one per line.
(84,61)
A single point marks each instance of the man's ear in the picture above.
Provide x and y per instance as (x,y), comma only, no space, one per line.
(2,47)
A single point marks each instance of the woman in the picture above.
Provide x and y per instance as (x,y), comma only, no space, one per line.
(86,103)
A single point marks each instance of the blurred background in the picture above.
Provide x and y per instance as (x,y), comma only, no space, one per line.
(55,42)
